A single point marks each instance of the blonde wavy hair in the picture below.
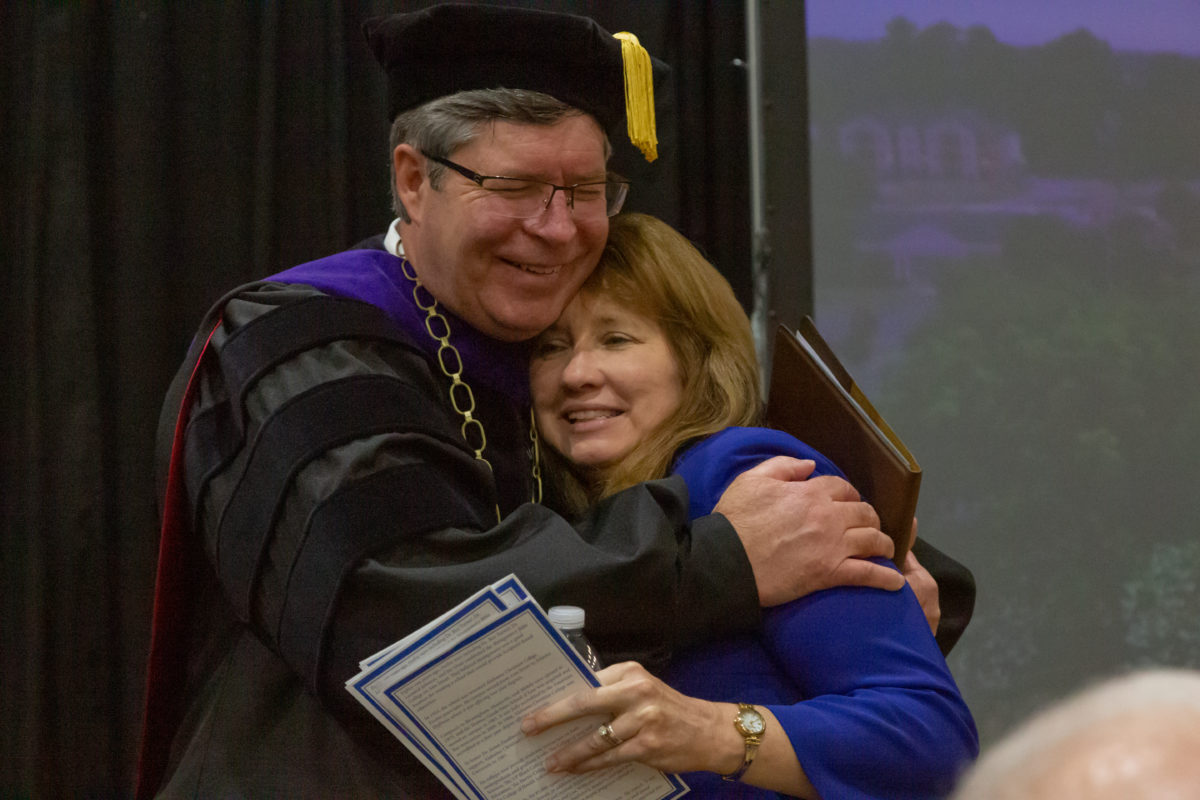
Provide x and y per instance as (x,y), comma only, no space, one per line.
(653,270)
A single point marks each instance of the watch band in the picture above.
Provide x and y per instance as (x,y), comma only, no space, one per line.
(750,724)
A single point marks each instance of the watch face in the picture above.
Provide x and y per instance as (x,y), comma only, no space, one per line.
(751,721)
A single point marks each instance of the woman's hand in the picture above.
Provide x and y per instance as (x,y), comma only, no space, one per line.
(655,725)
(922,583)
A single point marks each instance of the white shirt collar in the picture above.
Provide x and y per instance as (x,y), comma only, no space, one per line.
(391,241)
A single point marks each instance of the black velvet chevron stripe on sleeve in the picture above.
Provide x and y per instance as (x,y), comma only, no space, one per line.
(269,340)
(217,432)
(357,522)
(307,426)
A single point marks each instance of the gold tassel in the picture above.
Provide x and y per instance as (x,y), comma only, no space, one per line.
(639,95)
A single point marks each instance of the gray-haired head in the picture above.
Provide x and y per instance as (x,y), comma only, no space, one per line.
(1132,737)
(454,67)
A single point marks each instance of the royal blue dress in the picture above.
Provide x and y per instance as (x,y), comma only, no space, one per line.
(853,675)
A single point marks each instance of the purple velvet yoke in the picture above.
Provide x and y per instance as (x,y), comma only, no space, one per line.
(376,277)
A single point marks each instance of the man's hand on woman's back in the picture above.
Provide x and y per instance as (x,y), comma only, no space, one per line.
(803,535)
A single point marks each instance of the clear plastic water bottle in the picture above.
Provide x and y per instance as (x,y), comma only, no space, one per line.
(569,621)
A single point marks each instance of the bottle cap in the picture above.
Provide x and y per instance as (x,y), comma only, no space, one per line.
(566,616)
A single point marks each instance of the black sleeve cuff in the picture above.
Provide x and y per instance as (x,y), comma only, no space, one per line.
(717,594)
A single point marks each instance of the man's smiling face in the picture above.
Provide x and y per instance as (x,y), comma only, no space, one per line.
(510,278)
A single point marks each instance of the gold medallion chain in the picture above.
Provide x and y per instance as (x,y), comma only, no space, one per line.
(462,399)
(535,457)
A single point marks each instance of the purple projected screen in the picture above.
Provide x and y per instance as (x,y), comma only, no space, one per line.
(1006,201)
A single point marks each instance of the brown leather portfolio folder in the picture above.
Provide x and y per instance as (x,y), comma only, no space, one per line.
(813,397)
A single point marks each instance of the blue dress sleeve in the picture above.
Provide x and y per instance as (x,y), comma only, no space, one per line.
(709,466)
(881,716)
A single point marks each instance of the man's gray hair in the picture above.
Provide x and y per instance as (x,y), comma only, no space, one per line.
(1154,711)
(441,126)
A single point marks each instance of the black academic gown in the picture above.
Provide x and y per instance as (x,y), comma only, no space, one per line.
(334,507)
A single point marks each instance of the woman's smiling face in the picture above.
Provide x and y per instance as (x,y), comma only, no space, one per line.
(603,377)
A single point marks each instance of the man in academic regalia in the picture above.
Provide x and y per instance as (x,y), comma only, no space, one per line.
(347,451)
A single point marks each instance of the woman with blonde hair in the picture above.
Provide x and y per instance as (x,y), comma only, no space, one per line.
(651,371)
(651,270)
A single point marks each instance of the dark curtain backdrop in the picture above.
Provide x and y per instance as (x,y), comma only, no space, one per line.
(154,155)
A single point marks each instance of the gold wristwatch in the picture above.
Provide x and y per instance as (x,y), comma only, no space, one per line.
(751,725)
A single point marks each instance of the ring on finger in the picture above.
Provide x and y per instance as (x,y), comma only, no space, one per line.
(606,733)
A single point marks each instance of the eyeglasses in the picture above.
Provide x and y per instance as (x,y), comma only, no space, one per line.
(524,198)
